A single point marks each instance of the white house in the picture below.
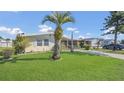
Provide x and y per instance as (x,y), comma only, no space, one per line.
(41,42)
(5,43)
(94,42)
(106,42)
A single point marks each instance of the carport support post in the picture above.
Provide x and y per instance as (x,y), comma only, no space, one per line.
(72,47)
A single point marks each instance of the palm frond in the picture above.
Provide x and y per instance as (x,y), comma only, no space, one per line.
(50,18)
(59,18)
(68,19)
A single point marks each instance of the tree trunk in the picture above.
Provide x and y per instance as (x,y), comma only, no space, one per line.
(115,41)
(56,52)
(57,38)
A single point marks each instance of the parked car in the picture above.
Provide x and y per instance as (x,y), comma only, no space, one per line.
(112,46)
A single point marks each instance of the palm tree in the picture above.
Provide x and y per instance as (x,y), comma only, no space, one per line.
(58,18)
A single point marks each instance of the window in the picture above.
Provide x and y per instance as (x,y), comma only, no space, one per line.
(46,42)
(39,42)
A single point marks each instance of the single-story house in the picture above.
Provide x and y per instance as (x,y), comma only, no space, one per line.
(45,42)
(41,42)
(5,43)
(93,42)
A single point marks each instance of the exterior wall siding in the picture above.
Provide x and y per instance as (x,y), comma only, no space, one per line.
(33,43)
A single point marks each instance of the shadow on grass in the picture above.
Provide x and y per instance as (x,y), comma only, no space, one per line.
(15,59)
(31,59)
(2,61)
(77,53)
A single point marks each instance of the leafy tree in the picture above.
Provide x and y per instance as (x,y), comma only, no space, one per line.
(1,37)
(8,39)
(58,18)
(98,43)
(81,44)
(115,24)
(20,43)
(122,41)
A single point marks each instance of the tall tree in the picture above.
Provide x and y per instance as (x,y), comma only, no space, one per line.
(58,18)
(114,23)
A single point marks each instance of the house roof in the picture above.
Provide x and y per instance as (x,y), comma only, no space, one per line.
(30,35)
(50,33)
(2,40)
(93,38)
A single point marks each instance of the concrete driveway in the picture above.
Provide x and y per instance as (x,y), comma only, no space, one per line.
(119,56)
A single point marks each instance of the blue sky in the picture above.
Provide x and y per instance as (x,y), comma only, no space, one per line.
(88,24)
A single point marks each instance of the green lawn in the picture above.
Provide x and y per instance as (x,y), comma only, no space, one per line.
(72,66)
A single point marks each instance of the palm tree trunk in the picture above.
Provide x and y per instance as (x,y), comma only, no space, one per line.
(115,41)
(56,52)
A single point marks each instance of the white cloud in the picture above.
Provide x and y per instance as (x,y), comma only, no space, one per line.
(45,28)
(81,37)
(71,29)
(66,36)
(112,28)
(106,31)
(107,37)
(16,31)
(12,31)
(76,31)
(88,34)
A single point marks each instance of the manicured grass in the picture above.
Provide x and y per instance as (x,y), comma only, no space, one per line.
(72,66)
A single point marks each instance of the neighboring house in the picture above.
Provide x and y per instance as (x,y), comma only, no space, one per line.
(106,42)
(93,42)
(5,43)
(97,42)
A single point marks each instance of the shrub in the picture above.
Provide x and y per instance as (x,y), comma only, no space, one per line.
(1,53)
(7,53)
(20,43)
(87,47)
(81,44)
